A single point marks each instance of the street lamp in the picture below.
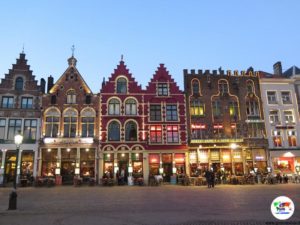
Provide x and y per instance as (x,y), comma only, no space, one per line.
(13,195)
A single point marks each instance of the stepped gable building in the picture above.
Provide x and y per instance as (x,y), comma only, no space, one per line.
(280,92)
(122,129)
(225,122)
(69,128)
(165,122)
(142,131)
(20,98)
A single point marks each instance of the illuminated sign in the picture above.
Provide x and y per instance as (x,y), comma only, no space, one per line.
(196,141)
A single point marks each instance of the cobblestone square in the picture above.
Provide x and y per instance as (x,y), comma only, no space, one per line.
(164,205)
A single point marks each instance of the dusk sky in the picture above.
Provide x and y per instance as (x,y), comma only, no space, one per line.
(180,34)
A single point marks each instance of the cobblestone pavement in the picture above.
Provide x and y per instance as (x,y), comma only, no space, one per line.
(164,205)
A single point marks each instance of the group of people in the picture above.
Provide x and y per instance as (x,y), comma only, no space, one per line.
(210,178)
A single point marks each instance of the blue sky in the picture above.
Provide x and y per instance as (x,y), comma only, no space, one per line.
(180,34)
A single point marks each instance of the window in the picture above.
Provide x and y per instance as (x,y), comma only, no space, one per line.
(252,108)
(53,99)
(198,131)
(87,124)
(271,97)
(277,139)
(172,113)
(30,128)
(286,97)
(172,134)
(196,86)
(155,134)
(223,87)
(250,88)
(130,107)
(288,116)
(130,131)
(71,97)
(155,112)
(162,90)
(19,84)
(70,123)
(27,103)
(218,130)
(114,107)
(233,109)
(273,116)
(114,131)
(216,107)
(2,128)
(88,99)
(196,108)
(255,130)
(7,102)
(122,85)
(52,123)
(292,139)
(14,127)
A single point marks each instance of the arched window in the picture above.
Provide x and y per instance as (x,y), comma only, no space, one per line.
(122,85)
(114,107)
(70,123)
(196,86)
(197,107)
(130,131)
(19,84)
(87,122)
(252,108)
(52,122)
(71,97)
(130,107)
(223,87)
(114,131)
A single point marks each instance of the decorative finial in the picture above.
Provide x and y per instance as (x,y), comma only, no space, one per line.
(122,57)
(73,49)
(23,49)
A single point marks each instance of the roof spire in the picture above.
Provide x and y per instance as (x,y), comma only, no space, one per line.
(122,57)
(23,49)
(73,50)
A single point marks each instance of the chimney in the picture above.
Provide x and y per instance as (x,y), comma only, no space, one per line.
(277,68)
(50,83)
(43,85)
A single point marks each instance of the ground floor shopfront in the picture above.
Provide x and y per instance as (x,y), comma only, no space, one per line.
(230,160)
(27,163)
(285,161)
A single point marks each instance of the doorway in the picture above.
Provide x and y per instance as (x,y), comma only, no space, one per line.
(167,171)
(67,172)
(10,165)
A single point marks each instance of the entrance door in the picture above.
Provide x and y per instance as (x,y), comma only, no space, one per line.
(10,165)
(67,172)
(123,165)
(167,171)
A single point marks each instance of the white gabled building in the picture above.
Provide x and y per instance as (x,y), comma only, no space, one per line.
(281,120)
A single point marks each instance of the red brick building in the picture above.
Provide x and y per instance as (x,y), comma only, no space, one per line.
(142,130)
(69,128)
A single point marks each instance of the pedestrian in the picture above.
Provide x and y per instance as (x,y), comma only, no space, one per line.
(212,179)
(208,178)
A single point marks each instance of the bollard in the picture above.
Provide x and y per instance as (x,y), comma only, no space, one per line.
(12,205)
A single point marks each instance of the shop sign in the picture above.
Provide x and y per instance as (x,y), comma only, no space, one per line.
(230,140)
(68,140)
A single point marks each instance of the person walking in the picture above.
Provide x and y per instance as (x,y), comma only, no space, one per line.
(212,179)
(208,178)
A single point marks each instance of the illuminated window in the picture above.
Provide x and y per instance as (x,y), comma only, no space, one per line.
(70,123)
(277,139)
(130,107)
(162,90)
(196,108)
(252,108)
(198,131)
(87,124)
(172,113)
(271,97)
(71,97)
(155,134)
(172,134)
(114,131)
(292,139)
(233,109)
(52,123)
(218,130)
(122,85)
(114,107)
(196,86)
(286,97)
(255,130)
(155,112)
(30,128)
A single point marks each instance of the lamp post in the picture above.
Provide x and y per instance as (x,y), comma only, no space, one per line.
(13,195)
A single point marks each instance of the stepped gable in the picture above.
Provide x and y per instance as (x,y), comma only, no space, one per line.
(21,68)
(162,75)
(71,78)
(133,86)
